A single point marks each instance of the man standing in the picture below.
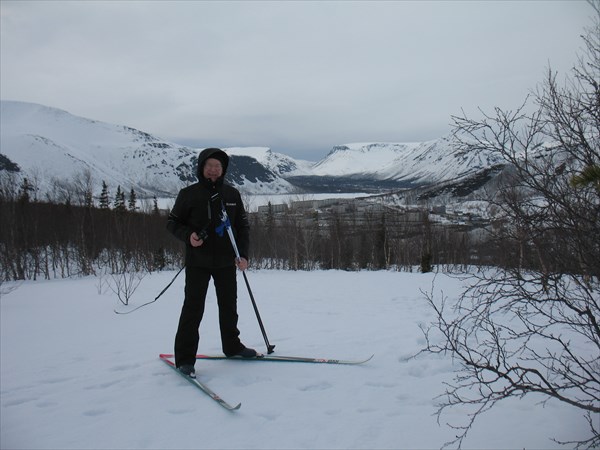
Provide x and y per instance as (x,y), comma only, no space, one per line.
(196,220)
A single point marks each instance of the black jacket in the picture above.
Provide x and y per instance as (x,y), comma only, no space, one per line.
(198,208)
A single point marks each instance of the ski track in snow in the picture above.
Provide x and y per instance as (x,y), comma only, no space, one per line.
(75,375)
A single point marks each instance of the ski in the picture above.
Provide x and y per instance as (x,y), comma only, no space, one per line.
(299,359)
(203,387)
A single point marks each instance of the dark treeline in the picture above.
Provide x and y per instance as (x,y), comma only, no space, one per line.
(48,240)
(353,240)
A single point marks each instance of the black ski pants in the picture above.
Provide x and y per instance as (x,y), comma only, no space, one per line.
(196,286)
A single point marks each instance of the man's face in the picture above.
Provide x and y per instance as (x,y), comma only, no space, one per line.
(212,169)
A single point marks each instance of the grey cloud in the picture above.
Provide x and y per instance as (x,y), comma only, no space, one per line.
(296,76)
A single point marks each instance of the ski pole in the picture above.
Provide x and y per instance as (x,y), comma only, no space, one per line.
(225,220)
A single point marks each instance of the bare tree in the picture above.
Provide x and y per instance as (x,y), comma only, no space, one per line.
(125,282)
(83,184)
(532,325)
(75,191)
(9,182)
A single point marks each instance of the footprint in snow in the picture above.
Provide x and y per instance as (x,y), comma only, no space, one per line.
(123,367)
(56,380)
(95,412)
(103,385)
(46,404)
(316,387)
(381,384)
(366,410)
(178,412)
(269,415)
(19,401)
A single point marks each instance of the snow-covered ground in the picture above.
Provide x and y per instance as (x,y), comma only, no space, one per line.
(75,375)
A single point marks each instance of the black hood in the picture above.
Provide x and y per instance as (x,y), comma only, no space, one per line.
(216,153)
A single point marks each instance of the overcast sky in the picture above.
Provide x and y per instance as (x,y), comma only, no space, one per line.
(298,77)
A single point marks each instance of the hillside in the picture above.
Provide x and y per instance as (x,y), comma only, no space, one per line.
(47,144)
(50,146)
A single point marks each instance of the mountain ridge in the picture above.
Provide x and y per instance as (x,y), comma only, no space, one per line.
(48,144)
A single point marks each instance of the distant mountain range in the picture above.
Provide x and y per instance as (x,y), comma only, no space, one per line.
(47,144)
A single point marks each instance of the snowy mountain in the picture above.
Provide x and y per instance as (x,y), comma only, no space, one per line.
(278,163)
(47,144)
(404,164)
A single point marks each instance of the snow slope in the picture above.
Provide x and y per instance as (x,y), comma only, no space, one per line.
(74,375)
(49,144)
(279,163)
(426,162)
(361,158)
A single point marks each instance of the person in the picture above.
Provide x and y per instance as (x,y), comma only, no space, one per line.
(195,219)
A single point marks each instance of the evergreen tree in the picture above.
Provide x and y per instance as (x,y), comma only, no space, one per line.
(590,176)
(119,203)
(24,194)
(131,205)
(104,200)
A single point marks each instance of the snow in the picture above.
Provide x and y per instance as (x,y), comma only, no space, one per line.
(49,143)
(279,163)
(430,161)
(75,375)
(362,158)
